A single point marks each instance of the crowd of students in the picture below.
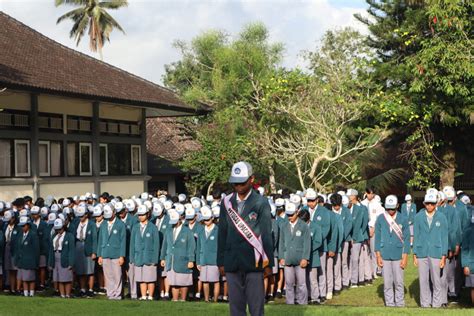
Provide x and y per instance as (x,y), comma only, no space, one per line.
(89,245)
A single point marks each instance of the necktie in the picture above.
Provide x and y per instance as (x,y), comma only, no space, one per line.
(110,228)
(9,234)
(142,228)
(24,237)
(57,242)
(81,234)
(175,231)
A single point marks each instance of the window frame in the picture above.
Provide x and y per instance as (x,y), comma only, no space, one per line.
(28,157)
(139,159)
(48,152)
(82,173)
(106,172)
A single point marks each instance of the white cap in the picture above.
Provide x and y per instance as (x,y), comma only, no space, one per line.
(408,197)
(352,192)
(261,190)
(51,218)
(432,191)
(129,205)
(23,212)
(279,202)
(209,198)
(196,202)
(75,198)
(190,213)
(66,202)
(97,210)
(345,200)
(157,209)
(206,213)
(179,208)
(441,196)
(391,202)
(450,192)
(295,199)
(80,211)
(148,204)
(88,195)
(142,210)
(23,221)
(430,198)
(61,216)
(108,211)
(44,211)
(241,172)
(54,208)
(58,223)
(173,216)
(7,216)
(465,199)
(216,211)
(82,198)
(168,205)
(290,208)
(311,194)
(181,197)
(67,210)
(35,210)
(119,207)
(144,196)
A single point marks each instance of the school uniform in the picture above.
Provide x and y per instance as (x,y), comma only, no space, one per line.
(130,221)
(26,256)
(11,234)
(346,245)
(275,238)
(365,267)
(144,252)
(314,261)
(42,230)
(112,246)
(467,253)
(244,275)
(178,250)
(359,226)
(195,228)
(206,254)
(375,209)
(162,224)
(391,249)
(61,256)
(409,211)
(86,245)
(294,246)
(333,269)
(430,245)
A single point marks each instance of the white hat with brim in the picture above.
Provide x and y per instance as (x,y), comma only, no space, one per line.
(142,210)
(311,194)
(173,216)
(391,202)
(408,197)
(430,198)
(241,172)
(58,223)
(206,213)
(290,208)
(51,218)
(23,221)
(7,216)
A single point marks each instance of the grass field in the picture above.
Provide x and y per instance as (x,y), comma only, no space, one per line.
(361,301)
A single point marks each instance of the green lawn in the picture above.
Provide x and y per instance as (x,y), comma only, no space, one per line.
(348,303)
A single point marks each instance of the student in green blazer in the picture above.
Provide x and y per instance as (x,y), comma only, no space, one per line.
(27,256)
(161,219)
(206,254)
(346,242)
(359,226)
(430,249)
(111,250)
(130,220)
(409,210)
(178,255)
(62,257)
(392,245)
(334,264)
(144,253)
(294,250)
(279,220)
(467,256)
(11,231)
(41,230)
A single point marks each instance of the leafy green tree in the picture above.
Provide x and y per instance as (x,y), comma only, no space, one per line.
(92,16)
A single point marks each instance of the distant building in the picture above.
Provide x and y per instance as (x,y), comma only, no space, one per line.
(69,123)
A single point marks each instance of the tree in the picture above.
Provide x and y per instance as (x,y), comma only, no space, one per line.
(92,16)
(424,68)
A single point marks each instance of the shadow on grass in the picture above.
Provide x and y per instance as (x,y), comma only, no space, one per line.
(414,291)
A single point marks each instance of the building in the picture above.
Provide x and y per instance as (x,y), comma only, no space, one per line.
(168,141)
(69,123)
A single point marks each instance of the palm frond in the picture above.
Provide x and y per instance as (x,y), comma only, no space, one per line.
(113,4)
(73,15)
(70,2)
(385,180)
(79,28)
(109,20)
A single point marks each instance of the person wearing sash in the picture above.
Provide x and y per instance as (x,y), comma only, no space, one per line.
(61,258)
(294,250)
(244,242)
(409,210)
(111,250)
(26,256)
(430,249)
(206,254)
(145,253)
(392,245)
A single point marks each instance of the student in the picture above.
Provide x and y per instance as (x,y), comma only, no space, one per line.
(346,241)
(12,232)
(270,280)
(26,256)
(191,210)
(430,248)
(206,254)
(392,245)
(177,256)
(314,261)
(294,250)
(85,232)
(61,258)
(160,219)
(42,232)
(98,219)
(111,251)
(408,209)
(144,253)
(467,254)
(279,220)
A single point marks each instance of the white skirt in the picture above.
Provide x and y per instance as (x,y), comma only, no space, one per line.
(209,274)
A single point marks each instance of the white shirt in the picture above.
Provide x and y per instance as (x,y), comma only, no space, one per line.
(8,233)
(97,224)
(176,231)
(208,229)
(55,240)
(81,228)
(125,218)
(142,228)
(158,222)
(375,209)
(292,226)
(312,211)
(37,222)
(110,224)
(337,212)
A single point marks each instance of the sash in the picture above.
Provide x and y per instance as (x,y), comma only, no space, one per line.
(394,226)
(246,232)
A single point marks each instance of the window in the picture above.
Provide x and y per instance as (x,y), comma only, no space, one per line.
(119,159)
(22,158)
(50,122)
(136,159)
(85,159)
(5,158)
(56,154)
(44,158)
(14,119)
(104,163)
(72,159)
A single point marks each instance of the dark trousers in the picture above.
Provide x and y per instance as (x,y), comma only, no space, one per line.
(245,288)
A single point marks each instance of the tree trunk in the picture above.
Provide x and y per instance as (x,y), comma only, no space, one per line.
(448,168)
(271,178)
(210,187)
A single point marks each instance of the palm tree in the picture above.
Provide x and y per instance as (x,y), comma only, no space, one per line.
(92,15)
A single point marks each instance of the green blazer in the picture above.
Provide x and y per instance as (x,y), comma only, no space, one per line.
(358,227)
(365,221)
(206,248)
(454,226)
(430,241)
(68,251)
(464,215)
(467,253)
(275,237)
(112,245)
(27,251)
(347,222)
(145,249)
(90,243)
(409,213)
(316,244)
(388,243)
(295,246)
(178,253)
(43,236)
(233,251)
(130,222)
(2,245)
(322,218)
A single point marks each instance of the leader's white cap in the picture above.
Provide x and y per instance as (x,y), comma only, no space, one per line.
(391,202)
(290,208)
(241,172)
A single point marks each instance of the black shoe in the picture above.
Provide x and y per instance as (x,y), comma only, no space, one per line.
(56,294)
(322,300)
(270,299)
(278,295)
(313,302)
(90,294)
(345,287)
(336,293)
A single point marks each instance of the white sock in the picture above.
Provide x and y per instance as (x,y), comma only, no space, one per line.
(162,294)
(167,294)
(25,292)
(32,293)
(198,295)
(83,290)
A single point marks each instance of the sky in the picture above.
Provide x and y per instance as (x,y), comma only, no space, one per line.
(152,26)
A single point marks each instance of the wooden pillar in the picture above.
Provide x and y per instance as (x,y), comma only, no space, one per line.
(143,149)
(96,147)
(34,143)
